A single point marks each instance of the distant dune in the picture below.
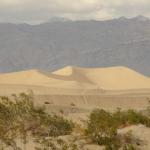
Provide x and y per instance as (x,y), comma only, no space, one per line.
(113,78)
(107,88)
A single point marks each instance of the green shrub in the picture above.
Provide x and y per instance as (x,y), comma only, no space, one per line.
(102,127)
(19,118)
(53,125)
(55,144)
(130,117)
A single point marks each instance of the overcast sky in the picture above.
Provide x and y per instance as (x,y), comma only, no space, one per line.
(35,11)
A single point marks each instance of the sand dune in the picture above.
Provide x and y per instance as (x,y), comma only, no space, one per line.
(40,78)
(85,88)
(107,88)
(113,78)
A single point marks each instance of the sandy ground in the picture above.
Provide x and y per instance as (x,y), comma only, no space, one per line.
(140,132)
(77,91)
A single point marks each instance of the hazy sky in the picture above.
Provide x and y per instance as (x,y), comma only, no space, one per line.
(34,11)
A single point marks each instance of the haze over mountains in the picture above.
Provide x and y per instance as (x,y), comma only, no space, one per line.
(58,43)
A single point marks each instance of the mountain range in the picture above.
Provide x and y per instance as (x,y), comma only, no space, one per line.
(58,43)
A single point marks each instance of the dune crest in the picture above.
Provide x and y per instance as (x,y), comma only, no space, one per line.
(111,78)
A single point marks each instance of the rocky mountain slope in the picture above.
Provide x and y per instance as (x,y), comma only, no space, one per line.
(53,45)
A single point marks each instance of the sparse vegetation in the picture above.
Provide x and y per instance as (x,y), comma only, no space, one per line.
(61,111)
(47,103)
(20,118)
(102,127)
(72,104)
(55,144)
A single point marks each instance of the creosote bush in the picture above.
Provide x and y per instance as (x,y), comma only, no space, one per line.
(102,127)
(19,117)
(53,144)
(130,117)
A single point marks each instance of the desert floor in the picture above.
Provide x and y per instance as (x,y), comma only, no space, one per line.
(77,91)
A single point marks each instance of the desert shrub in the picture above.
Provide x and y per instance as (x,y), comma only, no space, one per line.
(55,144)
(53,125)
(61,111)
(46,144)
(72,104)
(102,127)
(19,117)
(130,117)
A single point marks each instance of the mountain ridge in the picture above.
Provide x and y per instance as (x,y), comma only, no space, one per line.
(117,42)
